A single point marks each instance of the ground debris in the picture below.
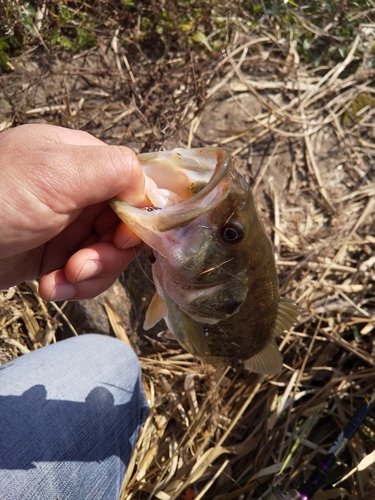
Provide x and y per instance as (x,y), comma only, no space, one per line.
(303,137)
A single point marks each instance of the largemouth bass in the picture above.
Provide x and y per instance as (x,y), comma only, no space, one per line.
(213,264)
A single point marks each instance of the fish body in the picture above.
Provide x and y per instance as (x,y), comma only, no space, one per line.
(213,264)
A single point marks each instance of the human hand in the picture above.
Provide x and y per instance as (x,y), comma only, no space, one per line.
(55,222)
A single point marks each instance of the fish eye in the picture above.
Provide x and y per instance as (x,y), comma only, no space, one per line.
(232,232)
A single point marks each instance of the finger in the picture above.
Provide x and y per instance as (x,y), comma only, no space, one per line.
(94,174)
(105,220)
(76,235)
(80,138)
(87,273)
(56,287)
(80,235)
(100,259)
(73,170)
(125,238)
(109,227)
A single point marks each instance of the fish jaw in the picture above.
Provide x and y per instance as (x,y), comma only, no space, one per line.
(175,170)
(178,172)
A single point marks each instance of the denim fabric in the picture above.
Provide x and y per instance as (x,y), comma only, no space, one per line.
(70,414)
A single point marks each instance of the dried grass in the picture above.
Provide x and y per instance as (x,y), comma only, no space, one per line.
(233,435)
(310,158)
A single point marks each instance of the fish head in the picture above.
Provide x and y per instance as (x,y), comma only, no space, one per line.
(202,234)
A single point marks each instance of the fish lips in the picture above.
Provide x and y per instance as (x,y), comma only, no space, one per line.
(151,224)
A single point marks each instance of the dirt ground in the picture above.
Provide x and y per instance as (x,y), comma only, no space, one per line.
(309,156)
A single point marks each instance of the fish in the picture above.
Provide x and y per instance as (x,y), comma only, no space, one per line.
(213,264)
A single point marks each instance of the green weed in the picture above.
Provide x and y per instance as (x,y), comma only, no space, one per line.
(324,29)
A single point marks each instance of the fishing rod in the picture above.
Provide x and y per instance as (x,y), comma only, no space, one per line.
(312,485)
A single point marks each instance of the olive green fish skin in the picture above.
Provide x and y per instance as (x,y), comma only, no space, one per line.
(214,268)
(246,303)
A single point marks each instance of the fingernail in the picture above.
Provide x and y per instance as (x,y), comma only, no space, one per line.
(90,269)
(63,291)
(132,242)
(124,237)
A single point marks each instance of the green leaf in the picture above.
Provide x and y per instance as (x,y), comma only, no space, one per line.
(200,37)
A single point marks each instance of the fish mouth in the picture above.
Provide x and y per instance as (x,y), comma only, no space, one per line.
(189,182)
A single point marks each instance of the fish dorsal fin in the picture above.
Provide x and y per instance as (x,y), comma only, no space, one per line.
(286,317)
(156,311)
(195,339)
(268,360)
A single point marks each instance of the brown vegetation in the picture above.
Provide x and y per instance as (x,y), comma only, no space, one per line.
(304,138)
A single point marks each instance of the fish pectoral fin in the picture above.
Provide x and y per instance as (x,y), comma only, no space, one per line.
(286,317)
(269,360)
(156,311)
(195,339)
(166,335)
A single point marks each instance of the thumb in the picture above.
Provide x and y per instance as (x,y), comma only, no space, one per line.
(92,174)
(72,169)
(98,173)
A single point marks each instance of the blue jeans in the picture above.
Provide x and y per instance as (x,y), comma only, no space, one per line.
(70,415)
